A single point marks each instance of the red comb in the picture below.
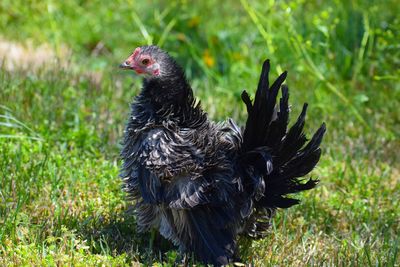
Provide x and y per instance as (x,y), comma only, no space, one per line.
(136,52)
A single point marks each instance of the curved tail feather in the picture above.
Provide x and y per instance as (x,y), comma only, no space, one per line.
(274,158)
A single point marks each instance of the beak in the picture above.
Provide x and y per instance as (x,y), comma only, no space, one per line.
(125,65)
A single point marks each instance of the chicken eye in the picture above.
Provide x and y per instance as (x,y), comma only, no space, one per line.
(145,61)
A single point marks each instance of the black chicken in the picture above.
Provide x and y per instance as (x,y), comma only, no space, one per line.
(201,183)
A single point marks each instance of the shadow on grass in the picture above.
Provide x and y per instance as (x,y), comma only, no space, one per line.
(118,235)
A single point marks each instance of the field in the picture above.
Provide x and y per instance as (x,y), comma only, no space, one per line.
(64,103)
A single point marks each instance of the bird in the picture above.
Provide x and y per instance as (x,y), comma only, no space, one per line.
(204,184)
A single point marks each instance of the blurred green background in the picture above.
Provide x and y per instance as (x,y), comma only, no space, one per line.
(64,103)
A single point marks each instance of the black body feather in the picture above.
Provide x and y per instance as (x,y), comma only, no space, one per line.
(202,184)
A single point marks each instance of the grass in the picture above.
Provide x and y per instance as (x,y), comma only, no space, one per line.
(60,127)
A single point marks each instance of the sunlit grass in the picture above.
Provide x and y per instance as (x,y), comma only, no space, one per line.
(61,124)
